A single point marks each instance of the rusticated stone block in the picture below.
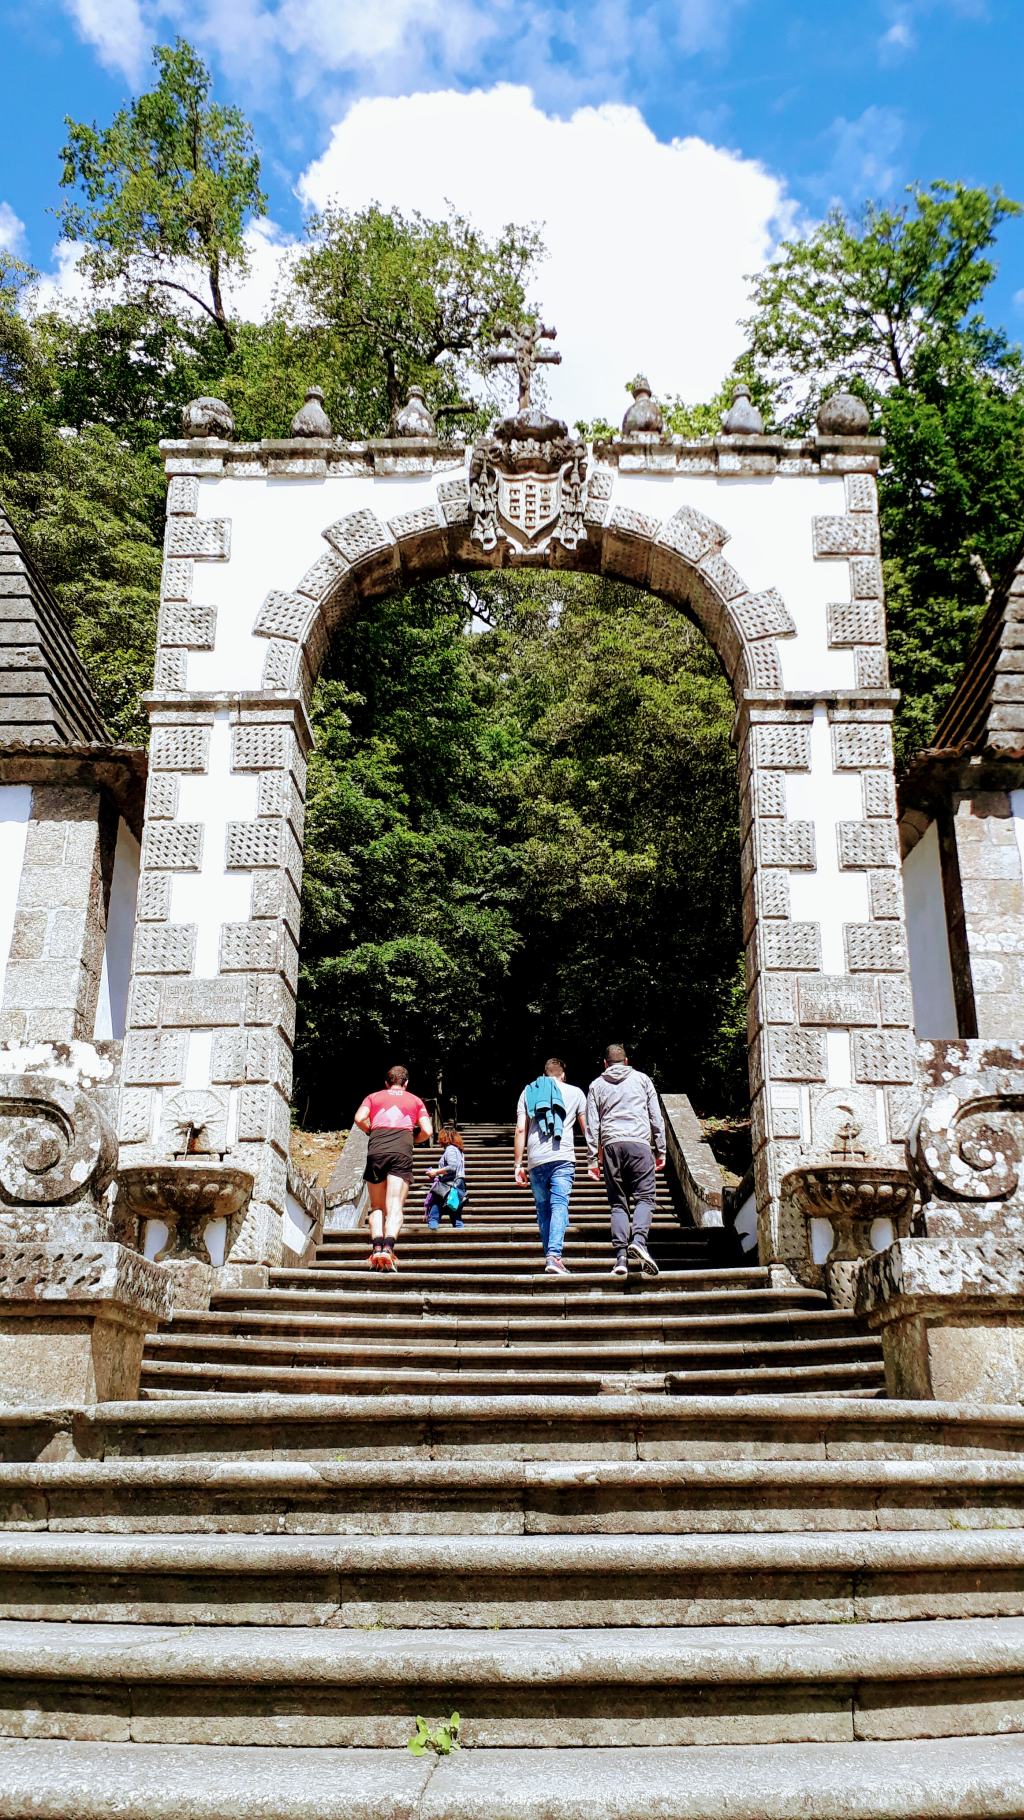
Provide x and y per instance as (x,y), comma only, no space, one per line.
(856,622)
(778,998)
(895,1001)
(866,844)
(182,495)
(885,895)
(205,539)
(852,535)
(838,999)
(153,904)
(781,746)
(164,948)
(326,575)
(258,843)
(282,666)
(795,947)
(796,1055)
(263,1114)
(171,672)
(420,522)
(144,1004)
(691,534)
(871,667)
(901,1107)
(270,1000)
(884,1057)
(277,795)
(154,1060)
(201,1004)
(865,578)
(858,744)
(875,947)
(227,1061)
(764,670)
(772,892)
(180,749)
(173,846)
(357,535)
(728,585)
(260,748)
(768,791)
(879,793)
(861,493)
(453,501)
(136,1114)
(285,616)
(784,843)
(253,947)
(763,615)
(274,894)
(191,625)
(176,579)
(786,1112)
(162,796)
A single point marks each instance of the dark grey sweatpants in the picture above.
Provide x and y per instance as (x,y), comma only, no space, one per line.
(629,1177)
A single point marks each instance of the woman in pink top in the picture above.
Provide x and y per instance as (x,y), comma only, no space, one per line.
(395,1120)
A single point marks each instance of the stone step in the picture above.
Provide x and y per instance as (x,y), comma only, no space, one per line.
(527,1689)
(502,1282)
(473,1582)
(931,1779)
(386,1297)
(466,1377)
(511,1497)
(650,1323)
(515,1428)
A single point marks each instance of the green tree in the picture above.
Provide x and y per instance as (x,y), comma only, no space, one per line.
(164,193)
(890,304)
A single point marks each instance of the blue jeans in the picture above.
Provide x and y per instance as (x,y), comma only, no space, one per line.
(552,1186)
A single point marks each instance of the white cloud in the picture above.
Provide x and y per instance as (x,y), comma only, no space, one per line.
(12,229)
(861,156)
(118,32)
(648,242)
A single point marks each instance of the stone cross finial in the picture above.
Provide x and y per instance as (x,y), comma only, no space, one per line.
(524,354)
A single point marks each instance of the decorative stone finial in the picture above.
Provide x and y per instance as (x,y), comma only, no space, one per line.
(844,414)
(414,419)
(208,417)
(742,418)
(644,417)
(312,419)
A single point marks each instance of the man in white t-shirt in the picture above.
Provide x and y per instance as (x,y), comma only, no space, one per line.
(547,1113)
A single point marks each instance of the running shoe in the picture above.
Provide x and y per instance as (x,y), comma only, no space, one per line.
(638,1250)
(554,1266)
(620,1268)
(388,1260)
(374,1259)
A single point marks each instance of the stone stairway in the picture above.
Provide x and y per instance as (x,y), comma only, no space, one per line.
(687,1606)
(472,1312)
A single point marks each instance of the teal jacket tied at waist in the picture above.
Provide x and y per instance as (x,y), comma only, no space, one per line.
(544,1103)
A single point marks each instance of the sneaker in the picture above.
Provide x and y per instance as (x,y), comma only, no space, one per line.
(554,1266)
(374,1259)
(433,1225)
(620,1268)
(388,1260)
(638,1250)
(458,1225)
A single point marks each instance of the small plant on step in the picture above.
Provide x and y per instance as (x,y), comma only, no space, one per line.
(442,1740)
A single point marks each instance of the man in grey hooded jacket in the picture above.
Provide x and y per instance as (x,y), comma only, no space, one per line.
(626,1139)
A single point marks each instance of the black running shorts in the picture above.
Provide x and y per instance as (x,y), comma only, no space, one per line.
(389,1153)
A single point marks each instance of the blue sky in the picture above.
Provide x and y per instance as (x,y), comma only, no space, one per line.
(666,144)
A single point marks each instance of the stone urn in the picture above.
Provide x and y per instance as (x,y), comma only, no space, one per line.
(851,1209)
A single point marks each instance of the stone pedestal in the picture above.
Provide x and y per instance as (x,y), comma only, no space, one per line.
(951,1316)
(73,1320)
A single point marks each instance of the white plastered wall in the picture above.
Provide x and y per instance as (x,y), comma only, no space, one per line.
(112,1005)
(931,974)
(15,809)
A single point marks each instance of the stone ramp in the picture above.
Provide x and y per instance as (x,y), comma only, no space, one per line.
(471,1312)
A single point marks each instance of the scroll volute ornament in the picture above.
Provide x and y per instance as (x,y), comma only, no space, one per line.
(55,1144)
(965,1147)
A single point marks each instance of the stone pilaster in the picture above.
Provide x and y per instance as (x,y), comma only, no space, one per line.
(53,973)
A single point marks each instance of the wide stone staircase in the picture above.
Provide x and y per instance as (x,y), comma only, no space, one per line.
(224,1606)
(472,1312)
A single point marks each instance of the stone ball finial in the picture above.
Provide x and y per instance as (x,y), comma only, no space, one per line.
(208,417)
(414,419)
(743,417)
(644,417)
(844,414)
(312,419)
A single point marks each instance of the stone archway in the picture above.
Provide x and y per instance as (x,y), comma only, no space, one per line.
(213,996)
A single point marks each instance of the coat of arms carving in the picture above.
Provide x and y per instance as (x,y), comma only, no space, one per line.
(527,477)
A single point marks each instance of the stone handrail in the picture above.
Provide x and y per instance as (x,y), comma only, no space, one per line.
(347,1199)
(692,1161)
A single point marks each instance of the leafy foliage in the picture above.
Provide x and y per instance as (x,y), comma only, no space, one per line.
(442,1738)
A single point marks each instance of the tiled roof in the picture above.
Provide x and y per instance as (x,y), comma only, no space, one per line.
(986,713)
(45,694)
